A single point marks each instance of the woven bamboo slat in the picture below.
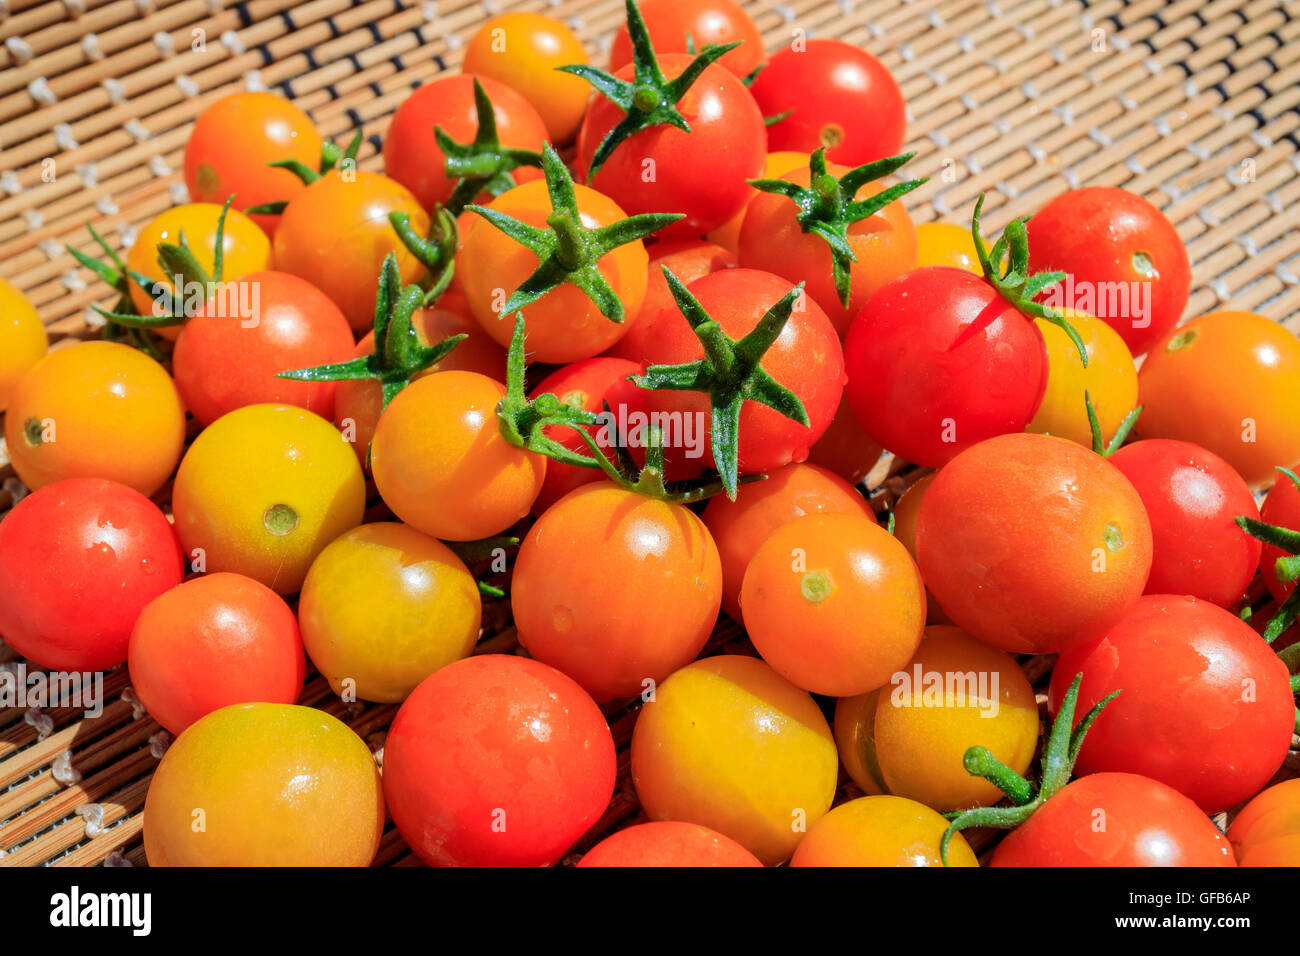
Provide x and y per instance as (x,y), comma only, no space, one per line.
(1194,105)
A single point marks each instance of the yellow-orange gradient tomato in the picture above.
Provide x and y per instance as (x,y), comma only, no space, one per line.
(881,831)
(262,490)
(775,166)
(95,410)
(22,339)
(385,606)
(264,785)
(908,737)
(731,745)
(1267,830)
(1111,380)
(441,464)
(946,244)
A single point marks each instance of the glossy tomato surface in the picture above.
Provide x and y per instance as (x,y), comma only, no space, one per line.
(668,843)
(1267,830)
(880,831)
(678,26)
(1110,380)
(23,340)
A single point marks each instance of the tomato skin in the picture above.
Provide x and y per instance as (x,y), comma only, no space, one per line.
(438,442)
(739,527)
(523,50)
(731,745)
(1230,382)
(384,606)
(224,361)
(844,447)
(938,361)
(1147,824)
(1281,508)
(601,636)
(1192,496)
(213,641)
(107,539)
(775,166)
(234,140)
(669,22)
(1094,235)
(1110,380)
(491,736)
(726,138)
(1182,718)
(668,843)
(830,85)
(95,410)
(880,831)
(1031,543)
(23,340)
(412,156)
(1267,830)
(947,244)
(336,234)
(772,239)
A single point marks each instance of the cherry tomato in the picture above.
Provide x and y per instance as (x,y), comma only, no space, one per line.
(946,244)
(908,737)
(1205,706)
(938,361)
(1146,824)
(1110,379)
(740,526)
(336,234)
(95,410)
(1031,543)
(1229,382)
(668,843)
(1267,830)
(594,626)
(78,560)
(702,174)
(441,464)
(844,447)
(880,831)
(412,156)
(213,641)
(497,761)
(383,607)
(523,50)
(1124,261)
(772,239)
(245,248)
(22,339)
(1281,508)
(1192,496)
(563,325)
(229,353)
(233,143)
(729,744)
(834,603)
(775,166)
(678,26)
(262,490)
(906,510)
(829,86)
(265,784)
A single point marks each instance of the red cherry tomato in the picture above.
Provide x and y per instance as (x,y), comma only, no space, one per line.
(1192,496)
(1281,508)
(215,640)
(676,26)
(1124,261)
(497,761)
(668,843)
(831,87)
(79,559)
(845,448)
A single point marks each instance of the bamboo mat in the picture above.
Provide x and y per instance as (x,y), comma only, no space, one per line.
(1194,105)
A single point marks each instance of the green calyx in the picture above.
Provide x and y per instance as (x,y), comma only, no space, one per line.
(483,165)
(1014,282)
(436,252)
(827,208)
(1059,757)
(730,373)
(1099,443)
(568,251)
(330,155)
(1287,569)
(648,99)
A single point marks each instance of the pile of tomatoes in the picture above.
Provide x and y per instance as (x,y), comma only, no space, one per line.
(619,348)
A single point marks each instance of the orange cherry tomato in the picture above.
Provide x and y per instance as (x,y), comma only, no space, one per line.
(95,410)
(677,26)
(668,843)
(881,831)
(844,447)
(1267,830)
(945,244)
(775,166)
(906,510)
(441,464)
(22,339)
(1110,379)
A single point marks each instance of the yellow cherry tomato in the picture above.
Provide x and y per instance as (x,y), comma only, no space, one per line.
(731,745)
(1111,380)
(523,50)
(22,339)
(777,165)
(908,738)
(95,410)
(881,831)
(945,244)
(383,607)
(265,785)
(262,490)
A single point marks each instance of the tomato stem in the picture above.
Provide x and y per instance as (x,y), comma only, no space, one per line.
(1286,568)
(483,164)
(1099,445)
